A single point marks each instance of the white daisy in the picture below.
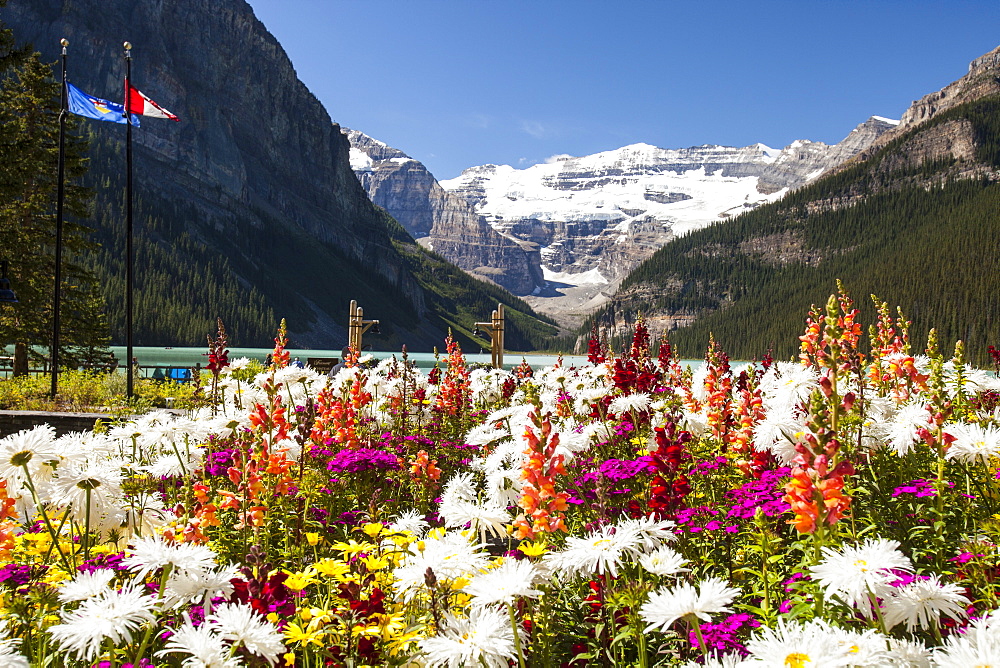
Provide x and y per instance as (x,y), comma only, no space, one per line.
(629,402)
(908,654)
(858,573)
(865,648)
(242,626)
(34,449)
(979,645)
(922,602)
(85,585)
(449,556)
(198,585)
(695,423)
(599,553)
(484,638)
(579,438)
(668,604)
(814,644)
(148,555)
(974,443)
(202,644)
(145,513)
(785,385)
(507,582)
(482,518)
(9,656)
(410,521)
(111,615)
(486,433)
(98,481)
(776,432)
(644,534)
(664,561)
(901,430)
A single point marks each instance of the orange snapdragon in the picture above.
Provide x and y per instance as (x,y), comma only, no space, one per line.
(543,506)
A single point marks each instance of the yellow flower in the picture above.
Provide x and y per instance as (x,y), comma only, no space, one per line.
(312,538)
(299,581)
(56,575)
(319,616)
(289,659)
(373,529)
(330,567)
(353,547)
(36,544)
(403,641)
(375,563)
(530,549)
(349,577)
(306,636)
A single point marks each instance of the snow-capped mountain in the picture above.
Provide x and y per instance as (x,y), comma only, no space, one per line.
(594,218)
(440,221)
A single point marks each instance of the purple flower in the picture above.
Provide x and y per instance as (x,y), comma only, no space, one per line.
(722,638)
(363,459)
(217,463)
(920,488)
(622,469)
(14,576)
(104,561)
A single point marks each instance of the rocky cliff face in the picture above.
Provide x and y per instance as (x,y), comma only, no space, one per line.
(982,80)
(595,218)
(441,221)
(255,152)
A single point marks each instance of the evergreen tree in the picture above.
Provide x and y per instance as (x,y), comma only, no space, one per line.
(29,136)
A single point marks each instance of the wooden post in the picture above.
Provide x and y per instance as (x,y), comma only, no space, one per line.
(496,327)
(357,325)
(20,359)
(499,329)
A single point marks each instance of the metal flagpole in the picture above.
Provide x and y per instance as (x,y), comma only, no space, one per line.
(60,200)
(130,380)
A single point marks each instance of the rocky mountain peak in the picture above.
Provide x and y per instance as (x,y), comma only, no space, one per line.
(986,62)
(441,221)
(982,79)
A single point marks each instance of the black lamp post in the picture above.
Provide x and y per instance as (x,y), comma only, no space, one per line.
(7,295)
(60,199)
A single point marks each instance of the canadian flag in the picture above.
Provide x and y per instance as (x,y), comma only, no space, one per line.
(137,103)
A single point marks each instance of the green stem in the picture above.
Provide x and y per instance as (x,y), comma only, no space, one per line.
(693,621)
(149,629)
(517,636)
(52,544)
(878,611)
(45,517)
(86,533)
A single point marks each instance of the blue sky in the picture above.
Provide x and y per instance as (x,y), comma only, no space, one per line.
(458,83)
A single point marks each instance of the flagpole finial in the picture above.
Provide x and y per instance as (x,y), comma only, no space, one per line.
(128,46)
(64,42)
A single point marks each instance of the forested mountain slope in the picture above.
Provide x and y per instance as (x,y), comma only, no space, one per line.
(915,222)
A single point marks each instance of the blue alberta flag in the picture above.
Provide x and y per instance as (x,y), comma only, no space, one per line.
(82,104)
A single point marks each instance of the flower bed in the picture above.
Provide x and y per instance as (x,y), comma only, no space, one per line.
(838,510)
